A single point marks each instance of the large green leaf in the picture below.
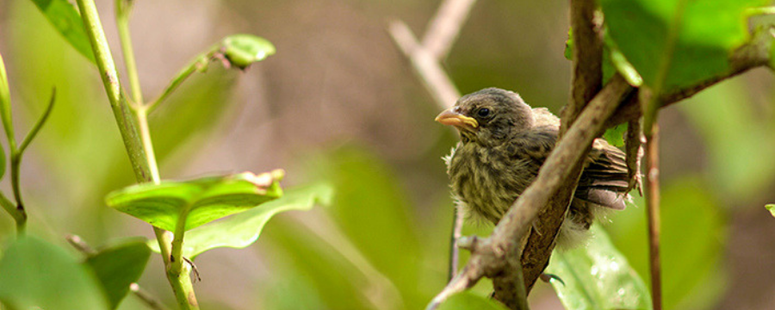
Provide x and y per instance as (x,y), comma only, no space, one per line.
(597,276)
(118,266)
(691,40)
(196,202)
(65,18)
(35,274)
(693,239)
(243,229)
(468,301)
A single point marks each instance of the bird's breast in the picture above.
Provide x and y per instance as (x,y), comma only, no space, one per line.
(486,180)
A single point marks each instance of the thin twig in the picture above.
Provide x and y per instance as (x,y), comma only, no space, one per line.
(652,205)
(426,66)
(445,26)
(149,300)
(83,247)
(454,249)
(80,245)
(425,58)
(634,151)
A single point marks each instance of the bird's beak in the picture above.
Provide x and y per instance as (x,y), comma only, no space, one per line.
(460,121)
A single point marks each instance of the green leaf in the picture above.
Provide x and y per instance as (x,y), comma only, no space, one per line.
(597,276)
(468,301)
(693,242)
(196,202)
(615,135)
(65,18)
(242,50)
(35,274)
(243,229)
(771,208)
(682,41)
(119,266)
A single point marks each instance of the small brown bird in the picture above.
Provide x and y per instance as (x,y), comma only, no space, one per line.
(503,143)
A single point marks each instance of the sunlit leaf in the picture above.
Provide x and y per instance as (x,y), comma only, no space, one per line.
(597,276)
(771,208)
(242,50)
(65,18)
(118,266)
(691,40)
(692,243)
(241,230)
(37,275)
(469,301)
(196,202)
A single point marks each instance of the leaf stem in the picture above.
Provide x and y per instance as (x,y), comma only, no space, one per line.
(198,64)
(123,8)
(16,154)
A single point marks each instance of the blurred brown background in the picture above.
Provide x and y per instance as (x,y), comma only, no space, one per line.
(339,94)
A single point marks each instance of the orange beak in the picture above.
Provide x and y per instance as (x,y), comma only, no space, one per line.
(452,118)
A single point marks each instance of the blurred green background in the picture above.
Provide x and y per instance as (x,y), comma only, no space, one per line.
(339,102)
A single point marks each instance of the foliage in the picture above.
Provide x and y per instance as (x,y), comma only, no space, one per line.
(383,242)
(118,266)
(597,276)
(35,273)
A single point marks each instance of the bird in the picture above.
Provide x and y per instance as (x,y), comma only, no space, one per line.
(504,142)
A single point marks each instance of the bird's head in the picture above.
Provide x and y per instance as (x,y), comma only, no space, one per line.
(488,116)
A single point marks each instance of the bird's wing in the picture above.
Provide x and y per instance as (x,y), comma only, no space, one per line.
(604,181)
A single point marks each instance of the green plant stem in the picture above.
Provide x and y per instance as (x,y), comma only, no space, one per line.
(145,136)
(123,8)
(39,124)
(198,64)
(17,211)
(18,214)
(137,142)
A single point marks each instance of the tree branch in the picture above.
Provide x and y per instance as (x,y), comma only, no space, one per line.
(586,82)
(587,58)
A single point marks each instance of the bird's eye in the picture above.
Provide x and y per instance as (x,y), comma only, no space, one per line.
(483,112)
